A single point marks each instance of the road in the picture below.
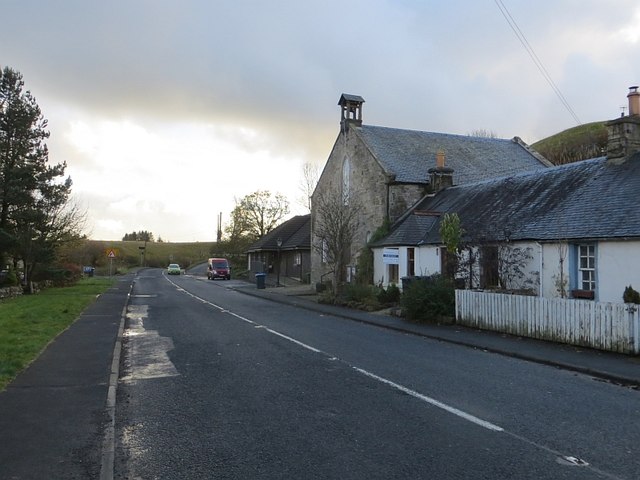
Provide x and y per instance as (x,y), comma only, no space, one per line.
(219,384)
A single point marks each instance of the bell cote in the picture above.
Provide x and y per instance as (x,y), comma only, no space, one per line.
(350,110)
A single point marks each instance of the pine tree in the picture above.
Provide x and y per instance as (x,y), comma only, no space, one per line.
(34,209)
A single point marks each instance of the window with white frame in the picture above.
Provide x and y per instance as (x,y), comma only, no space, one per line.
(587,267)
(297,259)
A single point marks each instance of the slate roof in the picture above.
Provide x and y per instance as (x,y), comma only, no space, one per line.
(295,234)
(408,154)
(350,98)
(588,200)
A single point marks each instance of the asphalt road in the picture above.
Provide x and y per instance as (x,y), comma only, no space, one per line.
(218,384)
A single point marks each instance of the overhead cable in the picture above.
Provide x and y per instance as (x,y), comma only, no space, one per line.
(525,43)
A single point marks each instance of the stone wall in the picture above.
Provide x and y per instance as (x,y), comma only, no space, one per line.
(402,197)
(10,292)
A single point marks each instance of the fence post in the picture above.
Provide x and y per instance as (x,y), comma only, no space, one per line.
(634,315)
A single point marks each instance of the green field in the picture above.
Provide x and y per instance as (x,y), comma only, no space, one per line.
(29,322)
(136,254)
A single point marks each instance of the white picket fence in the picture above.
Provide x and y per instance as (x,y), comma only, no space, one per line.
(604,326)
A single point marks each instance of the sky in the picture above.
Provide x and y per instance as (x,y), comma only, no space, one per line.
(166,112)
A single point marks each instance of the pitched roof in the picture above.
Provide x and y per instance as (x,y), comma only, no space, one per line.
(408,154)
(592,199)
(295,234)
(351,98)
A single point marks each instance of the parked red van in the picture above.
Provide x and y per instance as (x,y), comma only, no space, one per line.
(218,268)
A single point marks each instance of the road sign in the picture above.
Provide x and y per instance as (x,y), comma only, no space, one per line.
(111,253)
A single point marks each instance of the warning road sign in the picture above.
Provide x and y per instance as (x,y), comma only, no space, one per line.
(111,253)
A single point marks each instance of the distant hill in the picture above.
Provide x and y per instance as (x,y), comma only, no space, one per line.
(574,144)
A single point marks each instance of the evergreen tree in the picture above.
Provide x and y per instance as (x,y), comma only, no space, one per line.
(34,210)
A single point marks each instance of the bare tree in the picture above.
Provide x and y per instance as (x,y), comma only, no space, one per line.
(483,133)
(512,263)
(335,227)
(43,230)
(561,281)
(310,176)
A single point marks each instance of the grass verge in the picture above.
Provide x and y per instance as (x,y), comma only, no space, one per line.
(29,322)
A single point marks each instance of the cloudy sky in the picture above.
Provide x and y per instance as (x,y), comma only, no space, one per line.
(165,111)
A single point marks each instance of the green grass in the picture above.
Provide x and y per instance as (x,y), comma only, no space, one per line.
(574,144)
(128,254)
(29,322)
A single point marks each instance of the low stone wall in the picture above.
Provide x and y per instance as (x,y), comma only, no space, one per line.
(10,292)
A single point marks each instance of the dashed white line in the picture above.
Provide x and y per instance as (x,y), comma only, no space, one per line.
(432,401)
(413,393)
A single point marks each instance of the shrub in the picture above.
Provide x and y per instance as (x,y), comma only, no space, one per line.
(630,295)
(354,292)
(390,295)
(10,279)
(429,299)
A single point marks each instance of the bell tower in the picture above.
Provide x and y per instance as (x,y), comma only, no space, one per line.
(350,111)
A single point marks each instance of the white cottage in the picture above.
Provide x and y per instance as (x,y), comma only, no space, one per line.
(572,230)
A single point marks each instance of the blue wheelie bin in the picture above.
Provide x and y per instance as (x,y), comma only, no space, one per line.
(260,280)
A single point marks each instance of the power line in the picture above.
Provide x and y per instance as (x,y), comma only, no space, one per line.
(525,43)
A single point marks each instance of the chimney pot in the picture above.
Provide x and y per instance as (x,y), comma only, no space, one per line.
(440,159)
(634,101)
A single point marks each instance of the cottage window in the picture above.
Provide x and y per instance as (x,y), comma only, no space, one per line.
(297,259)
(325,251)
(587,267)
(393,273)
(411,262)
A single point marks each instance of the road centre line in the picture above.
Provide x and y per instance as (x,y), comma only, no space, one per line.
(293,340)
(413,393)
(432,401)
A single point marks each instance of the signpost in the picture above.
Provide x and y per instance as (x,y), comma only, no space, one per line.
(111,254)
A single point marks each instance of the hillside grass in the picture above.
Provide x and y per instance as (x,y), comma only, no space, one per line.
(574,144)
(129,254)
(29,322)
(160,254)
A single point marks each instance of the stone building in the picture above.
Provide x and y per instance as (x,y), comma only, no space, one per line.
(385,171)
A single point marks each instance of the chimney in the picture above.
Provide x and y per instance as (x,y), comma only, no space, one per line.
(634,101)
(351,110)
(624,132)
(440,177)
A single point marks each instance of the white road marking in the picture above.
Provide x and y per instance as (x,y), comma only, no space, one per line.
(413,393)
(424,398)
(293,340)
(432,401)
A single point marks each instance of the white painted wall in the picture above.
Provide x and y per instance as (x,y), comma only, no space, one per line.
(427,262)
(617,267)
(379,271)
